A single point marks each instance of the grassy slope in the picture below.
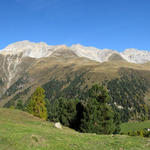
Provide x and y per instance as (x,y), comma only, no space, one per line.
(134,126)
(22,131)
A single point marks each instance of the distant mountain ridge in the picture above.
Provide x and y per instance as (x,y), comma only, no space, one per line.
(40,50)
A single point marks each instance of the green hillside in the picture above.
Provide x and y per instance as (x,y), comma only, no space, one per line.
(21,131)
(134,126)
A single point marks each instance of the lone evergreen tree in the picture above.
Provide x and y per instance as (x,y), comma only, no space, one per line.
(20,105)
(98,116)
(37,105)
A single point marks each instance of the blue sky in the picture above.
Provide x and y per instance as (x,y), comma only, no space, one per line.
(114,24)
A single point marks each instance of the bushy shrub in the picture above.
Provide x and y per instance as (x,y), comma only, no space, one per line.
(142,133)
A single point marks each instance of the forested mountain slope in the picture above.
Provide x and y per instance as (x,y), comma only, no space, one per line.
(63,73)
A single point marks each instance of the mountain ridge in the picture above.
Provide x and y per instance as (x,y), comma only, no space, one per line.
(39,50)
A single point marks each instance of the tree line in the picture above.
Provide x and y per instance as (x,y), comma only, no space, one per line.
(93,115)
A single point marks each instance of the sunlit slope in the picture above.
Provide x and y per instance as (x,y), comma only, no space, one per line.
(66,70)
(22,131)
(134,126)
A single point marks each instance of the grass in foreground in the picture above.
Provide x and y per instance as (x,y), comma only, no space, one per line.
(22,131)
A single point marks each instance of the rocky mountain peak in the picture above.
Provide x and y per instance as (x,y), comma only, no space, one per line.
(136,56)
(39,50)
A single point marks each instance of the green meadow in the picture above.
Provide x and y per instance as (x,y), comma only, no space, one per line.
(134,126)
(21,131)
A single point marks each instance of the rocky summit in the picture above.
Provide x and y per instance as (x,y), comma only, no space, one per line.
(39,50)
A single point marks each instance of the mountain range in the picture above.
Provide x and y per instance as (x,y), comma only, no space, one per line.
(39,50)
(71,71)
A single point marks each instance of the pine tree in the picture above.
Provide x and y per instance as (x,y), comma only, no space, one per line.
(20,105)
(37,105)
(91,121)
(67,111)
(98,116)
